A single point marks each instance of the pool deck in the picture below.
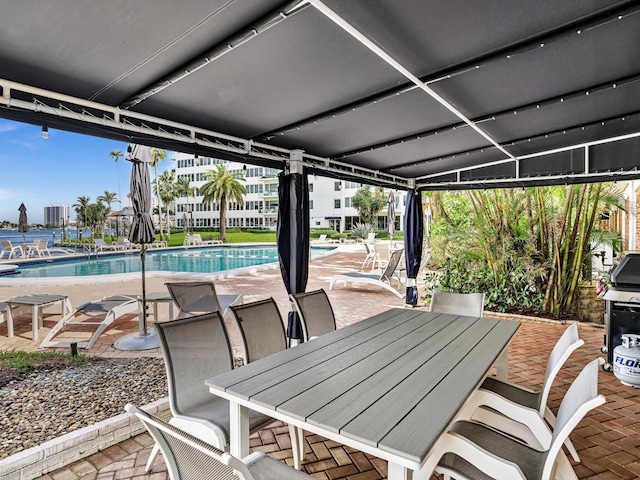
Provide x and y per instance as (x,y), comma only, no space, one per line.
(608,439)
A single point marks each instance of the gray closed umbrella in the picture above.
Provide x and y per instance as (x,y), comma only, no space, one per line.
(142,232)
(23,225)
(391,215)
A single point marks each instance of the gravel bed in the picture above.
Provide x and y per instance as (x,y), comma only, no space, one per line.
(44,405)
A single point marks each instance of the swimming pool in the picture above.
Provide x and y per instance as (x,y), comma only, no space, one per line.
(183,260)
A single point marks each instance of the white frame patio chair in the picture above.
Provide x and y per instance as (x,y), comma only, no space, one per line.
(470,304)
(196,298)
(370,256)
(474,451)
(521,412)
(195,349)
(386,275)
(262,331)
(316,313)
(11,249)
(189,458)
(40,248)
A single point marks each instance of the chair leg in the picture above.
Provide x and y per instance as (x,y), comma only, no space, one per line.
(152,457)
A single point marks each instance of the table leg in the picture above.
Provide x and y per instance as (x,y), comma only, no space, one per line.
(239,426)
(398,472)
(36,313)
(9,321)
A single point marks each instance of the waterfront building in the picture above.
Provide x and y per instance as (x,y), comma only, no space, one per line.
(56,215)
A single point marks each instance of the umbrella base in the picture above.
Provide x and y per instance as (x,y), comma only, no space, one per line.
(135,341)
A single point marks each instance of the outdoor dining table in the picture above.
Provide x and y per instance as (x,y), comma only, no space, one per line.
(389,385)
(37,303)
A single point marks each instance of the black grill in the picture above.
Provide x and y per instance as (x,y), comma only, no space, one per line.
(622,304)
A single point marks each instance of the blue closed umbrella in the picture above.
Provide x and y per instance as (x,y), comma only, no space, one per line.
(413,233)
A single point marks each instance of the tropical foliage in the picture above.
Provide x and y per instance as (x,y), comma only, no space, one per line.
(158,155)
(368,203)
(165,190)
(221,187)
(525,248)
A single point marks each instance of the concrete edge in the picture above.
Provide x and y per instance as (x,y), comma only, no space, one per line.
(74,446)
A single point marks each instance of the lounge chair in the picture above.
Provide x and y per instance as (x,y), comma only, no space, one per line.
(379,279)
(195,239)
(99,314)
(100,245)
(40,248)
(11,249)
(197,298)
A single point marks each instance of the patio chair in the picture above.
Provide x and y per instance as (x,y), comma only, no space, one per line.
(471,450)
(470,304)
(40,248)
(520,411)
(195,298)
(11,249)
(195,349)
(316,314)
(261,328)
(263,334)
(370,257)
(386,275)
(188,457)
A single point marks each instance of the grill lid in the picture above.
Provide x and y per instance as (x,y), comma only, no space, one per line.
(627,273)
(622,296)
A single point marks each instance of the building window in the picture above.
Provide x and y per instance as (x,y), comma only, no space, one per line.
(336,203)
(337,186)
(347,202)
(310,204)
(311,187)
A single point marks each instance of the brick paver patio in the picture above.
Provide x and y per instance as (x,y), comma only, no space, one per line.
(607,440)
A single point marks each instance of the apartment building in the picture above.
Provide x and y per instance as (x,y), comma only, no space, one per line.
(330,200)
(56,215)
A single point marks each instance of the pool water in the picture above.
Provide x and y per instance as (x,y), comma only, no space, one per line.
(205,260)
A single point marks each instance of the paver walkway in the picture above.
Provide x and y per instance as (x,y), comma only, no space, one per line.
(608,439)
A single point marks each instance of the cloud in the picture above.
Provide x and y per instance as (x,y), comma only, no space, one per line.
(8,126)
(22,143)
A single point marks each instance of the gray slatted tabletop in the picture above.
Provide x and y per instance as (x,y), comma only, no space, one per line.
(389,385)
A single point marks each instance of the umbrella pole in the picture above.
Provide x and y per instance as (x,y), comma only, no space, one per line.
(143,323)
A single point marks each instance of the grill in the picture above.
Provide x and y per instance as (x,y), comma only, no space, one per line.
(622,305)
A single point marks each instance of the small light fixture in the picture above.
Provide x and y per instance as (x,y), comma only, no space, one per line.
(45,133)
(244,167)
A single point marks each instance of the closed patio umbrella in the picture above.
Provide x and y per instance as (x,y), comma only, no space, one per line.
(142,232)
(413,233)
(391,214)
(23,225)
(293,239)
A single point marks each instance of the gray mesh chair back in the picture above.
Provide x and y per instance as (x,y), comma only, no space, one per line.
(315,313)
(189,458)
(194,298)
(470,304)
(195,349)
(261,327)
(394,261)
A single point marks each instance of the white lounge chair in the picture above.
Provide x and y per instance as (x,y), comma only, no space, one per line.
(11,249)
(379,279)
(101,246)
(99,314)
(40,248)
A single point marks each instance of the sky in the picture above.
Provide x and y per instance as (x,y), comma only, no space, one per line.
(57,171)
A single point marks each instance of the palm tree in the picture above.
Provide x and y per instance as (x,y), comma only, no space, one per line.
(183,188)
(116,154)
(165,189)
(222,185)
(81,205)
(108,198)
(158,155)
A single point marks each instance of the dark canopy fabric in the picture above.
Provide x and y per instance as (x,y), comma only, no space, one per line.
(293,239)
(455,94)
(413,237)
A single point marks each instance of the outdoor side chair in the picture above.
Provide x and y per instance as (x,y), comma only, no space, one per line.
(189,458)
(316,313)
(263,334)
(194,350)
(473,451)
(196,298)
(519,411)
(261,328)
(470,304)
